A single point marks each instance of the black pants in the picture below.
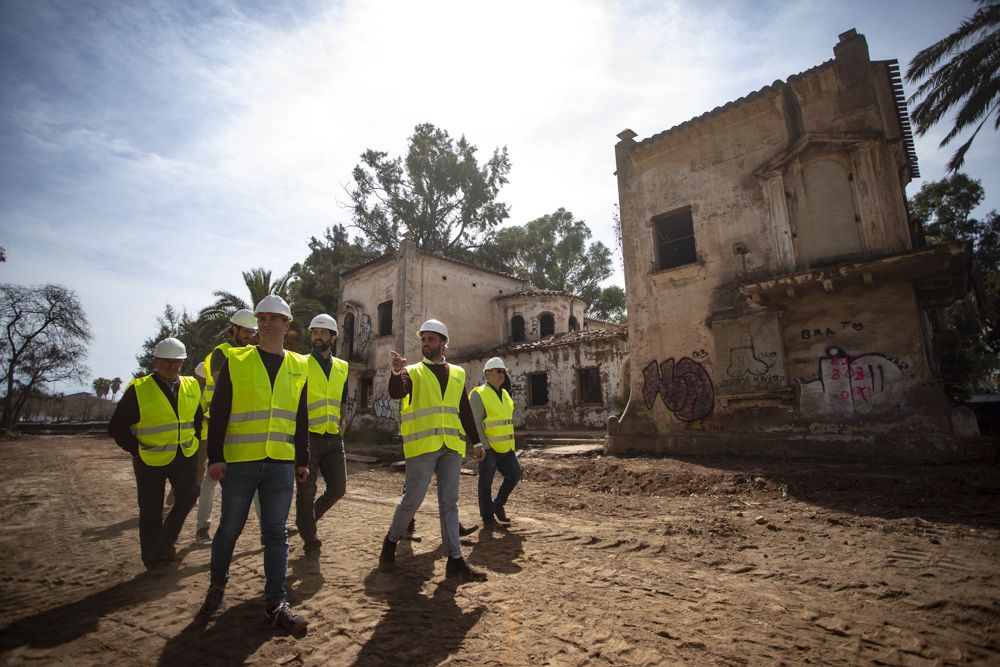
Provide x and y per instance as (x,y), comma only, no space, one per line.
(156,534)
(326,457)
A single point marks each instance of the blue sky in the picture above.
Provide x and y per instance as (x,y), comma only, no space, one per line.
(151,151)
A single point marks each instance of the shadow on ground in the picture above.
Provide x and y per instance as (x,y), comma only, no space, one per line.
(437,620)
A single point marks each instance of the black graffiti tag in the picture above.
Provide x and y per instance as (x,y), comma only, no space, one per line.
(684,386)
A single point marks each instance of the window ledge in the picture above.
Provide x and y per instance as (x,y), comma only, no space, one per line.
(678,274)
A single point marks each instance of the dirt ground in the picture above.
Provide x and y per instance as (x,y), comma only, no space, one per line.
(608,562)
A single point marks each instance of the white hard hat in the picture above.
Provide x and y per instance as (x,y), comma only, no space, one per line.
(170,348)
(324,321)
(244,318)
(272,303)
(437,326)
(495,362)
(199,370)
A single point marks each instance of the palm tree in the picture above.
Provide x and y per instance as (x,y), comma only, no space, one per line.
(116,384)
(968,80)
(259,284)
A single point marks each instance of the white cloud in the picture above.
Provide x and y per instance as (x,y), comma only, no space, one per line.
(197,141)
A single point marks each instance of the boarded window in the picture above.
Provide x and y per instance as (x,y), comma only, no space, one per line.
(828,229)
(385,318)
(365,398)
(517,329)
(573,324)
(590,385)
(546,325)
(348,335)
(538,389)
(674,239)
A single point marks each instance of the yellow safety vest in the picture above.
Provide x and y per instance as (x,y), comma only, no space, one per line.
(160,430)
(325,395)
(499,422)
(206,399)
(262,420)
(429,419)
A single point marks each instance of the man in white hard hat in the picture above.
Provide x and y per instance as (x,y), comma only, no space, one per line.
(158,421)
(242,331)
(435,418)
(327,389)
(493,409)
(258,442)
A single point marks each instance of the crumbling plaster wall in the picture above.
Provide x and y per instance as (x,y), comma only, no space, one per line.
(531,307)
(739,170)
(561,363)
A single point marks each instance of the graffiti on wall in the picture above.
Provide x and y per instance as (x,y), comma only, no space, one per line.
(364,333)
(348,410)
(826,331)
(749,367)
(386,408)
(684,386)
(847,383)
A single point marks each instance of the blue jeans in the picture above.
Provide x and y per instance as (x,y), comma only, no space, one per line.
(446,464)
(274,481)
(509,468)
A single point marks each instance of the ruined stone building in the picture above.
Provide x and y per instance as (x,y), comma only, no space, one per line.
(777,300)
(566,369)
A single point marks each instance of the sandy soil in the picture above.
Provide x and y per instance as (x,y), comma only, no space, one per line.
(608,562)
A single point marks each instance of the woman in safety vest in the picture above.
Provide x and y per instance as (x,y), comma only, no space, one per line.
(493,409)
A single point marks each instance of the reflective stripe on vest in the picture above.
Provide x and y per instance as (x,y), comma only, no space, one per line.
(206,399)
(160,430)
(262,419)
(325,395)
(428,419)
(499,421)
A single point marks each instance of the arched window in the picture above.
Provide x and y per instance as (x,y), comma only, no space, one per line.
(517,329)
(573,324)
(546,325)
(348,335)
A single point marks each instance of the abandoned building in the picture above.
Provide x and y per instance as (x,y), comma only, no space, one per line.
(565,369)
(778,301)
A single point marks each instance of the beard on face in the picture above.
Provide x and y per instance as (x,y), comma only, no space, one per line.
(321,347)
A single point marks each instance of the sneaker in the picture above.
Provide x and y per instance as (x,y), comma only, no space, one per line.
(457,568)
(500,514)
(313,547)
(465,532)
(282,616)
(201,535)
(387,559)
(213,599)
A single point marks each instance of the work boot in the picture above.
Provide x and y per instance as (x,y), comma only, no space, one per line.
(500,514)
(387,559)
(282,616)
(213,599)
(411,527)
(457,568)
(313,546)
(465,532)
(201,535)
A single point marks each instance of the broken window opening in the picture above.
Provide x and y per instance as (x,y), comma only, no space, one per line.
(590,385)
(517,329)
(385,318)
(674,239)
(546,325)
(538,388)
